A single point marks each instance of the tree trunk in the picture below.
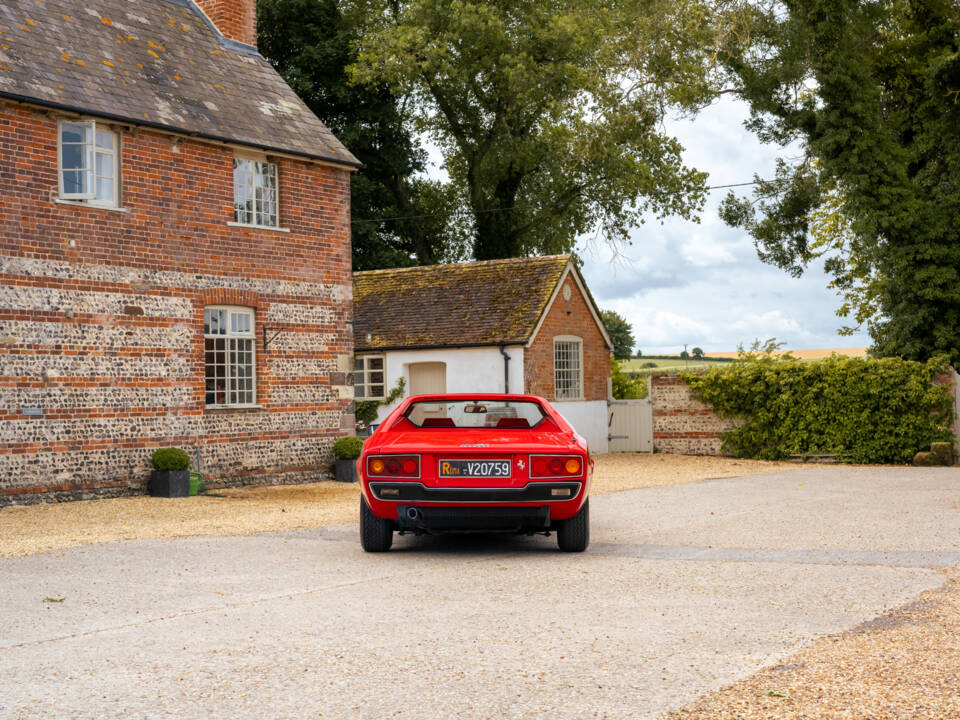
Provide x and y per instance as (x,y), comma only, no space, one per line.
(496,223)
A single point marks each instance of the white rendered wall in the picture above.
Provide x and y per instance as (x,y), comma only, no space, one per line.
(588,418)
(468,370)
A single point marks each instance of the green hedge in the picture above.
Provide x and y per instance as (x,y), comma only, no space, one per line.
(861,410)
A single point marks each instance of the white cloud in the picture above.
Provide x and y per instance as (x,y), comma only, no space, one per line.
(702,283)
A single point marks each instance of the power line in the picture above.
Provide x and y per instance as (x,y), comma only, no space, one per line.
(743,184)
(499,210)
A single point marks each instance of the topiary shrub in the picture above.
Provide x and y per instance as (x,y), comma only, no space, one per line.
(860,410)
(347,448)
(169,459)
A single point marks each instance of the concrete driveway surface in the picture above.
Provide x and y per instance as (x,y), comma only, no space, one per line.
(684,589)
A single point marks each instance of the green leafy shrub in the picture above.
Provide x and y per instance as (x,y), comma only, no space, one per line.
(169,459)
(347,448)
(626,386)
(861,410)
(365,411)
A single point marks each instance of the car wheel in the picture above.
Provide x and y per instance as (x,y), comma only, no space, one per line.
(573,535)
(376,534)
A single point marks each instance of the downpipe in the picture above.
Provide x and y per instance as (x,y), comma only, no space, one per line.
(506,369)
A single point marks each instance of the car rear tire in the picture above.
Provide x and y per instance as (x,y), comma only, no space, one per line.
(573,535)
(376,534)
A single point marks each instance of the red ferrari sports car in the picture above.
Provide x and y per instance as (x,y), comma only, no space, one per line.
(475,463)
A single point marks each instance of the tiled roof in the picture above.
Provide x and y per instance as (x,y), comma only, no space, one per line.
(156,63)
(478,303)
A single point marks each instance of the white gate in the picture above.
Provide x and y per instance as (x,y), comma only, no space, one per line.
(630,425)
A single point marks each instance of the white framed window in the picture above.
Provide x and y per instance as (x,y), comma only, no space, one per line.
(255,196)
(229,366)
(369,377)
(88,158)
(567,367)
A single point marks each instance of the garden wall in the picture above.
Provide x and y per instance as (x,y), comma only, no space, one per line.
(682,424)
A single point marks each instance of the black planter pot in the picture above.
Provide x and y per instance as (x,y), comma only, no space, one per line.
(345,471)
(170,483)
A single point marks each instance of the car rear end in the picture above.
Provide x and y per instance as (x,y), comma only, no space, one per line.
(514,466)
(497,488)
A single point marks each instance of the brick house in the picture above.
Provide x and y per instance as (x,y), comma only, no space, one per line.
(520,325)
(174,252)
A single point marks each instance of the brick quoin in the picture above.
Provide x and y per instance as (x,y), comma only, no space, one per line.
(235,19)
(568,317)
(101,317)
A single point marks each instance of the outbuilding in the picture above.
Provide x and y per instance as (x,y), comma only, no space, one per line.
(520,325)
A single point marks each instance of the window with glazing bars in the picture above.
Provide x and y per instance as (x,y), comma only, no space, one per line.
(567,370)
(89,160)
(229,356)
(254,192)
(368,377)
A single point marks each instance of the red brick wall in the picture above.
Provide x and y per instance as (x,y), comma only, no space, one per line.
(101,317)
(235,19)
(568,317)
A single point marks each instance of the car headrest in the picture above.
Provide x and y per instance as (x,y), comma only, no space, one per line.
(438,423)
(513,422)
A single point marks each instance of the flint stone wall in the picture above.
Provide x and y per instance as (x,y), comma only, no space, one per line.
(101,318)
(682,424)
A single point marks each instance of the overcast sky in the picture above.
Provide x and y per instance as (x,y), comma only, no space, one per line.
(703,284)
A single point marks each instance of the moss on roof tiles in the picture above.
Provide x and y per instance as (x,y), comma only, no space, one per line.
(491,302)
(154,62)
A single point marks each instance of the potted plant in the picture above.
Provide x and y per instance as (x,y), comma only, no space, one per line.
(171,473)
(346,450)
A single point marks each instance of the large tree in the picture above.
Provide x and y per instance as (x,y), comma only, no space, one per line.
(870,93)
(549,115)
(620,332)
(311,43)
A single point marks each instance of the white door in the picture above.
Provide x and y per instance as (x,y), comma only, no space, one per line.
(630,425)
(428,378)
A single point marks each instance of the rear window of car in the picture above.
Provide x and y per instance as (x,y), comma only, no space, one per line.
(475,414)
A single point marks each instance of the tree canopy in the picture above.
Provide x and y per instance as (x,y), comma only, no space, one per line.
(311,43)
(549,115)
(870,92)
(620,332)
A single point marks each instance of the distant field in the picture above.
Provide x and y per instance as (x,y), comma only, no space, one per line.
(636,365)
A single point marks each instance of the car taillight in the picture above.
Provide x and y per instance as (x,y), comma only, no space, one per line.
(395,466)
(542,466)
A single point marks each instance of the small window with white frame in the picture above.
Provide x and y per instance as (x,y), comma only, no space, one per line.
(369,378)
(89,163)
(229,356)
(255,196)
(567,368)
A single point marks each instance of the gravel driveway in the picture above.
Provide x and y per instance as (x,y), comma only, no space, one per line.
(686,589)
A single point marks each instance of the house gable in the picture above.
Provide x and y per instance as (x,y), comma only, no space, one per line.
(566,319)
(571,272)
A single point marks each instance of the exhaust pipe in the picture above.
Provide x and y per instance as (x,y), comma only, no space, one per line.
(413,514)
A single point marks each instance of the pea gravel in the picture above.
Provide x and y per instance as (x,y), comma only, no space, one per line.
(902,664)
(687,592)
(29,529)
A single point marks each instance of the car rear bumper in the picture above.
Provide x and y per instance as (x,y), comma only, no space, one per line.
(533,518)
(416,492)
